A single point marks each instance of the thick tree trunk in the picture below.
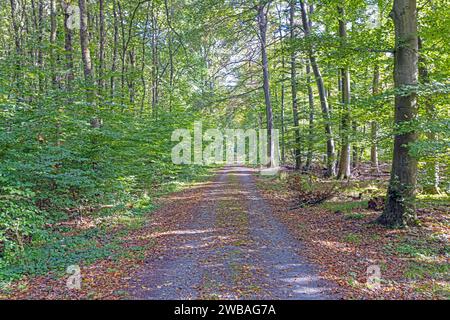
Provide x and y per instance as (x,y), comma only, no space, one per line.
(297,152)
(344,163)
(331,152)
(400,209)
(262,23)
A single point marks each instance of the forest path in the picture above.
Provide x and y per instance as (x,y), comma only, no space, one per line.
(232,247)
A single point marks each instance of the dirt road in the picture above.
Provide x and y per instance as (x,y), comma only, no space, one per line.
(232,248)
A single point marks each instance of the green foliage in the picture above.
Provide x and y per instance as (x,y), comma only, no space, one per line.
(345,207)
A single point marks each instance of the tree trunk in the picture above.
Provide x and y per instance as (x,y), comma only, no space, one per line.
(131,89)
(355,149)
(85,51)
(262,23)
(144,46)
(53,30)
(331,152)
(40,54)
(115,50)
(344,163)
(311,118)
(374,124)
(297,153)
(123,54)
(400,209)
(68,45)
(283,67)
(102,40)
(170,45)
(154,62)
(432,167)
(17,74)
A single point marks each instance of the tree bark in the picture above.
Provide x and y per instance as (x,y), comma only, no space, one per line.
(374,124)
(170,45)
(283,67)
(262,24)
(297,152)
(400,209)
(115,50)
(154,62)
(53,30)
(102,40)
(68,45)
(144,46)
(344,163)
(309,156)
(432,167)
(85,51)
(331,152)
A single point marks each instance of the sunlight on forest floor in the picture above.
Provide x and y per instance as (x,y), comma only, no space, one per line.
(340,236)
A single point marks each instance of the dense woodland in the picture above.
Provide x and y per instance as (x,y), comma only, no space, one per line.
(88,105)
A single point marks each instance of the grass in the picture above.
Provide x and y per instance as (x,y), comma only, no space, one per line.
(429,201)
(414,248)
(70,245)
(355,216)
(353,238)
(436,271)
(345,207)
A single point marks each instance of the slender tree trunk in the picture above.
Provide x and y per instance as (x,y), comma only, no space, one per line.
(154,62)
(96,122)
(355,149)
(432,167)
(344,163)
(123,54)
(101,54)
(283,67)
(262,23)
(53,30)
(374,124)
(18,50)
(297,152)
(400,208)
(40,54)
(132,57)
(170,45)
(331,152)
(144,46)
(68,45)
(311,118)
(115,50)
(85,51)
